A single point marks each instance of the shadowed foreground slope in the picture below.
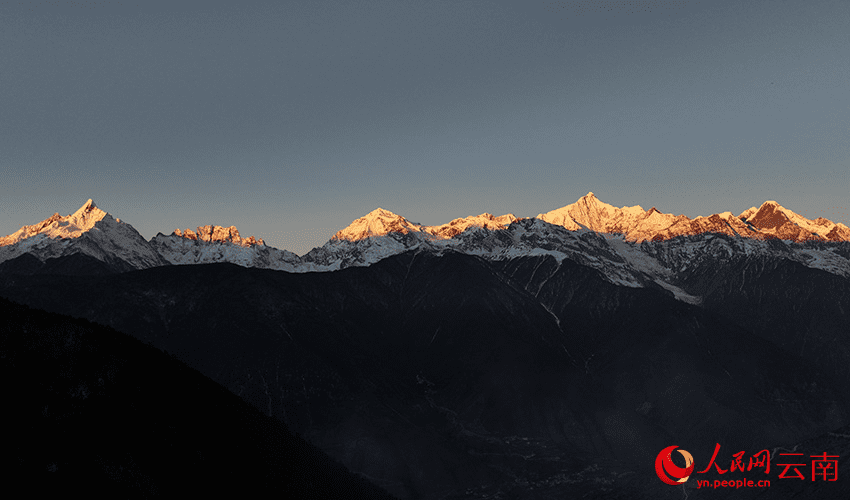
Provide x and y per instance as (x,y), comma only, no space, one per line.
(93,410)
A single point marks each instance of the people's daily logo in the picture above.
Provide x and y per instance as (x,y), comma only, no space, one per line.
(822,467)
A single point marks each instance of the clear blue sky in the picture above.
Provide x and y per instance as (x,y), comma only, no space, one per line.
(290,119)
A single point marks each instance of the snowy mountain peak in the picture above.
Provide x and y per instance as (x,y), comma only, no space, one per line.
(769,216)
(380,212)
(87,216)
(56,226)
(378,222)
(89,231)
(483,221)
(774,219)
(589,212)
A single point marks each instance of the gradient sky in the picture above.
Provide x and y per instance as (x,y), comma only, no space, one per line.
(290,119)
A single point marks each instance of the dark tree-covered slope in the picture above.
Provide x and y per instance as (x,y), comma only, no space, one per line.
(93,411)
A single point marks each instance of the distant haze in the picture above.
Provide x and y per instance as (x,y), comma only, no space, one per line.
(290,119)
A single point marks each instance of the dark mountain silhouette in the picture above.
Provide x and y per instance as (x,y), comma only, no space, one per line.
(456,377)
(76,264)
(89,409)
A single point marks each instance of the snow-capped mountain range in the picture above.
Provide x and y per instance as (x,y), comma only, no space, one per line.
(630,246)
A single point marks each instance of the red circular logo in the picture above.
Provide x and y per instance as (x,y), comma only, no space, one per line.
(664,465)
